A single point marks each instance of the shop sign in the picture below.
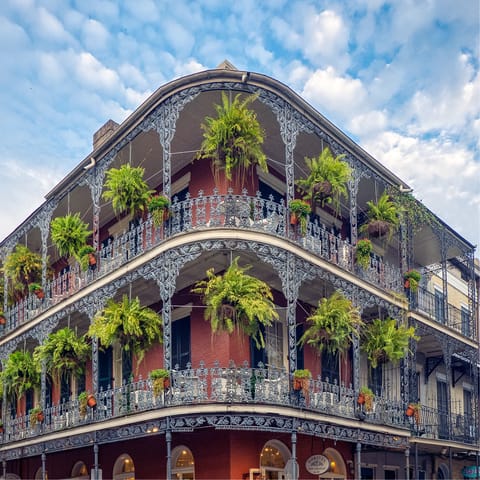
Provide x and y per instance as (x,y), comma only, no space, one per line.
(317,464)
(470,472)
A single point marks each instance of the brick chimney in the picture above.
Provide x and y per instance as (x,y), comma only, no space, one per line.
(104,132)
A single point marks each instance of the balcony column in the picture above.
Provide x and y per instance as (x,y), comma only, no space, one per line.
(295,471)
(443,250)
(96,472)
(44,470)
(168,440)
(43,223)
(95,179)
(407,463)
(358,461)
(4,468)
(353,190)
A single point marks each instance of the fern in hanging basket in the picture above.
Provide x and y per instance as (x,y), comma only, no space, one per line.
(22,267)
(385,341)
(64,353)
(135,327)
(236,300)
(69,234)
(21,373)
(383,217)
(126,188)
(233,139)
(332,325)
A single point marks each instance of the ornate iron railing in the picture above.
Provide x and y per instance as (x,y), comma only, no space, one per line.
(193,214)
(233,384)
(443,425)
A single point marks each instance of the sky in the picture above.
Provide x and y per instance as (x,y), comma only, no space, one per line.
(400,77)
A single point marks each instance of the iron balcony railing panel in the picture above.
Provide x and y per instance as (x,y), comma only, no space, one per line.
(204,212)
(432,306)
(232,384)
(440,424)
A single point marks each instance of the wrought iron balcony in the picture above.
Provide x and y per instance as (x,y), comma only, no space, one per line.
(443,425)
(200,213)
(240,385)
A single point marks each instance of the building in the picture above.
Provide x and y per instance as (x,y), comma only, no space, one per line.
(230,409)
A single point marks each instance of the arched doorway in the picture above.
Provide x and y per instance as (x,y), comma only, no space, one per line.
(442,473)
(338,469)
(273,460)
(183,463)
(79,471)
(124,468)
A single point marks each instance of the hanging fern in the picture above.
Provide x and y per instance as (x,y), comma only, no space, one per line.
(21,373)
(69,234)
(64,353)
(22,267)
(234,138)
(126,189)
(383,217)
(333,324)
(135,327)
(384,340)
(237,300)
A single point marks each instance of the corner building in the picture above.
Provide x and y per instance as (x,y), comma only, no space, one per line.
(214,421)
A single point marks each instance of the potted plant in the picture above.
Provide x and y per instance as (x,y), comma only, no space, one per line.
(363,251)
(327,180)
(134,327)
(3,319)
(36,416)
(22,267)
(299,213)
(160,380)
(91,400)
(301,379)
(1,427)
(86,257)
(158,206)
(382,217)
(236,300)
(365,397)
(126,188)
(82,403)
(37,290)
(332,325)
(233,139)
(64,353)
(411,280)
(69,234)
(20,374)
(385,340)
(413,410)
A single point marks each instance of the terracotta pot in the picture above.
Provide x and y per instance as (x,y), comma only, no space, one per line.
(409,411)
(407,283)
(40,417)
(293,219)
(297,384)
(39,294)
(361,399)
(91,401)
(91,259)
(3,320)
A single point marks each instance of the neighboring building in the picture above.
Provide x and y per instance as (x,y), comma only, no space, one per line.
(225,415)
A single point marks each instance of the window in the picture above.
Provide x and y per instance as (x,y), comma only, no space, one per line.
(442,405)
(124,468)
(439,306)
(273,355)
(183,464)
(65,390)
(181,354)
(367,473)
(330,366)
(465,316)
(375,379)
(273,460)
(389,474)
(105,372)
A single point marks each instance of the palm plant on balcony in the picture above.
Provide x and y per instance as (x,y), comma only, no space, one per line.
(237,301)
(133,326)
(158,206)
(21,373)
(332,325)
(363,251)
(22,267)
(386,341)
(327,179)
(299,213)
(126,188)
(69,234)
(382,217)
(64,352)
(233,139)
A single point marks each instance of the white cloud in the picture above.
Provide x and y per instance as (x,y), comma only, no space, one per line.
(95,35)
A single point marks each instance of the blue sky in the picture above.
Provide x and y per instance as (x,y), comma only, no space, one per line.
(400,77)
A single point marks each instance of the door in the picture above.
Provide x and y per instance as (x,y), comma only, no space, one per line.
(105,369)
(442,406)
